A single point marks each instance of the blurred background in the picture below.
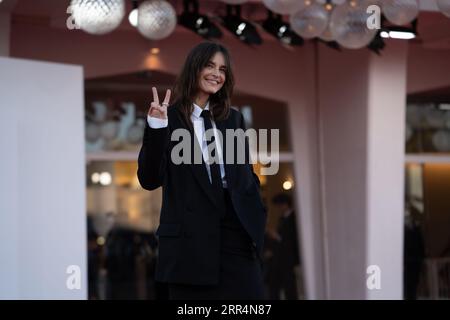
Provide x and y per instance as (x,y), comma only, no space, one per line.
(364,132)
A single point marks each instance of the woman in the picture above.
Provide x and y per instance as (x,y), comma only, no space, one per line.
(212,217)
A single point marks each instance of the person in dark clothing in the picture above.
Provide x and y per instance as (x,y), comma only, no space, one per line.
(414,253)
(285,252)
(212,221)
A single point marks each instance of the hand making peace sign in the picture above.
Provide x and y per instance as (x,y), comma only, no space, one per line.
(156,110)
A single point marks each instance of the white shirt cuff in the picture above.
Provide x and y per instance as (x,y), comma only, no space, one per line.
(156,123)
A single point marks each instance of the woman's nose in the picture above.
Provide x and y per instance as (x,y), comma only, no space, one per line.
(216,73)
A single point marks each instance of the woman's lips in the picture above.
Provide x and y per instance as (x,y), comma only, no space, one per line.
(212,82)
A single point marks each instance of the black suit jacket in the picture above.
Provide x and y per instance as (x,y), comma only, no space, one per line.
(189,230)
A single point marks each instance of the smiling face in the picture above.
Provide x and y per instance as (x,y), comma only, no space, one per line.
(212,77)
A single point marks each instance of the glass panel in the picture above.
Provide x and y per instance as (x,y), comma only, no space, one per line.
(122,220)
(427,128)
(282,268)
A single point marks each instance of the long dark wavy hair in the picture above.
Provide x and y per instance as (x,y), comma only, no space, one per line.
(187,86)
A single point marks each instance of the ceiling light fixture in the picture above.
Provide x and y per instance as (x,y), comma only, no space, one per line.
(400,32)
(402,35)
(244,30)
(194,21)
(275,26)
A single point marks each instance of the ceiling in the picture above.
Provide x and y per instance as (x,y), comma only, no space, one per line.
(433,27)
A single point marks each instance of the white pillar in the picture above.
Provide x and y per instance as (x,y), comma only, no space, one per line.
(385,168)
(42,185)
(361,138)
(301,100)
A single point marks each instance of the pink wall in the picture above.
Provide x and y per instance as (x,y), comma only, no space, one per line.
(427,69)
(4,33)
(125,51)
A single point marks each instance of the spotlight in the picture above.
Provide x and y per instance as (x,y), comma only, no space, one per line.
(242,29)
(400,32)
(133,16)
(403,35)
(281,30)
(198,23)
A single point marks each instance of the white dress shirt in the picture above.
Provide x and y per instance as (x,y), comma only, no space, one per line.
(199,129)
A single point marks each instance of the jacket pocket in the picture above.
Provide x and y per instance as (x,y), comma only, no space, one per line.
(169,230)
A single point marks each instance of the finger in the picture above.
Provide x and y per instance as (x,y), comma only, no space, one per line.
(155,95)
(162,109)
(167,98)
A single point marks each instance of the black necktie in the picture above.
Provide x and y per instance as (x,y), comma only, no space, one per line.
(216,178)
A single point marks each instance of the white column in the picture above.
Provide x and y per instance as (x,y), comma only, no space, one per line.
(42,185)
(361,107)
(303,129)
(385,168)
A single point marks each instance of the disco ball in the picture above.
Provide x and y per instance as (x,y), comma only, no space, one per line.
(327,35)
(97,16)
(400,12)
(286,6)
(157,19)
(444,6)
(348,24)
(310,22)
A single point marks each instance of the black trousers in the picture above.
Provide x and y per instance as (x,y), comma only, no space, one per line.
(240,268)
